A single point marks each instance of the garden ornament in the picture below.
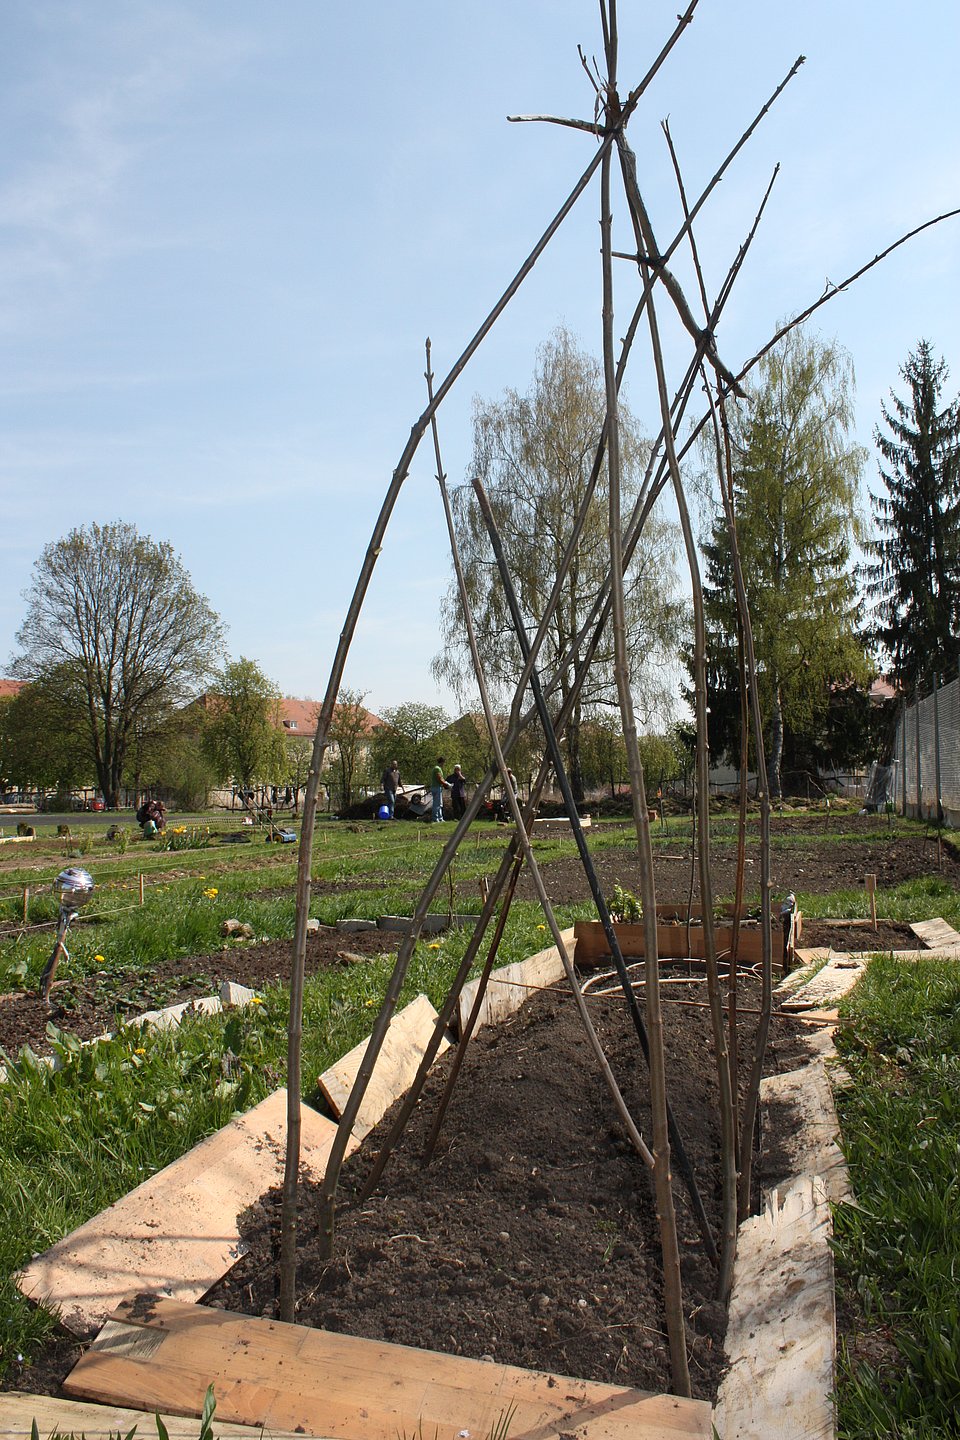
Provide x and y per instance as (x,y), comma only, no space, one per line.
(74,888)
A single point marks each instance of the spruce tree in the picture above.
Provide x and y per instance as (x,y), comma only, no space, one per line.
(914,577)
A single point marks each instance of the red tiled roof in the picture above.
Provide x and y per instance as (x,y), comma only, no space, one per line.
(11,687)
(299,717)
(882,689)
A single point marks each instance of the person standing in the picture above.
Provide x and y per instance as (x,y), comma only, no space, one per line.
(437,786)
(458,790)
(389,781)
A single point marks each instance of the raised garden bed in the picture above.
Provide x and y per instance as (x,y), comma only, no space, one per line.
(676,940)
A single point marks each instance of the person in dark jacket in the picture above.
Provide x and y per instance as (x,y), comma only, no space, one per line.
(458,789)
(389,782)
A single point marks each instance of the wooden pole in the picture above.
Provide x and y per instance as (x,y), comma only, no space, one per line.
(666,1212)
(26,904)
(288,1242)
(872,897)
(140,878)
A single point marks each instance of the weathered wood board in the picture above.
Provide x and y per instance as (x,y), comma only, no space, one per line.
(177,1233)
(781,1332)
(160,1354)
(936,934)
(406,1039)
(510,985)
(674,942)
(547,822)
(104,1422)
(810,1148)
(830,984)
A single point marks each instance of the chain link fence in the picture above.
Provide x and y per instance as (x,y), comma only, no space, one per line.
(926,779)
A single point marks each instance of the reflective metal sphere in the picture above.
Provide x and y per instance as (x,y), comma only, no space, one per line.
(74,888)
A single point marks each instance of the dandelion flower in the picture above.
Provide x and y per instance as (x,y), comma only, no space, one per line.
(434,946)
(212,892)
(256,1000)
(541,927)
(98,959)
(140,1050)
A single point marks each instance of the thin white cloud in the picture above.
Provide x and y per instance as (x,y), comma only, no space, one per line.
(88,113)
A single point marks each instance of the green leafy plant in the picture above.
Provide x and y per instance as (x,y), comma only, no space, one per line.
(625,907)
(204,1433)
(185,837)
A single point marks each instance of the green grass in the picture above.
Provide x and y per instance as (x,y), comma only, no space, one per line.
(75,1139)
(920,899)
(898,1253)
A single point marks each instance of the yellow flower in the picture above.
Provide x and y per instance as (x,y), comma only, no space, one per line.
(98,959)
(256,1000)
(140,1050)
(212,892)
(369,1003)
(541,927)
(434,946)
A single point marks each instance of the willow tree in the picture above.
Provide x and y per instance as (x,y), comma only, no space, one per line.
(796,474)
(534,453)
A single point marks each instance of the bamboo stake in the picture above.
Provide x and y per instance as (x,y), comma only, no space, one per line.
(732,1043)
(633,1132)
(288,1241)
(752,1098)
(26,904)
(666,1213)
(441,1024)
(140,879)
(468,1029)
(472,949)
(728,1140)
(586,860)
(338,1150)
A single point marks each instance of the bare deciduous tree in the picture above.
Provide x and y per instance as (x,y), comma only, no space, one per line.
(120,612)
(534,453)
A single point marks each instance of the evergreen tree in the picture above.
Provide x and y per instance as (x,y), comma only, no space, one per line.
(914,578)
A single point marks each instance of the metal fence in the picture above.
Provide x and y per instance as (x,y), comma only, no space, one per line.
(926,756)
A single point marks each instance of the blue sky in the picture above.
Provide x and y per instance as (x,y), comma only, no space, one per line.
(226,228)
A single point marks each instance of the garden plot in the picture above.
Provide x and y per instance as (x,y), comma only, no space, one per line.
(126,1365)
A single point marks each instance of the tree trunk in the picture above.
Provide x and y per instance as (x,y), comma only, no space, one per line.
(776,745)
(575,761)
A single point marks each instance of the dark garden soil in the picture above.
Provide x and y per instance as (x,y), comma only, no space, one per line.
(798,862)
(99,1003)
(531,1236)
